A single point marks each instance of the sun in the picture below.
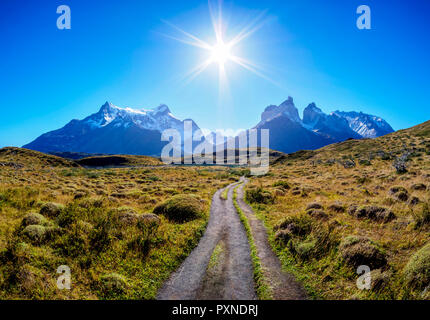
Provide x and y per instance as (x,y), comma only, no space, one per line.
(221,53)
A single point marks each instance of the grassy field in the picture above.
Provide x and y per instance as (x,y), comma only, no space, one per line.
(354,203)
(100,223)
(122,231)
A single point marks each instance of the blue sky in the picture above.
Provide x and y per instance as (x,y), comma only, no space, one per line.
(116,51)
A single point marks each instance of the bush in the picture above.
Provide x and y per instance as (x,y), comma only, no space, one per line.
(400,165)
(282,184)
(258,195)
(101,236)
(113,285)
(66,218)
(72,244)
(417,270)
(38,234)
(314,205)
(283,236)
(51,210)
(305,249)
(35,233)
(181,208)
(374,213)
(423,218)
(337,207)
(357,251)
(298,225)
(34,219)
(364,162)
(317,214)
(419,187)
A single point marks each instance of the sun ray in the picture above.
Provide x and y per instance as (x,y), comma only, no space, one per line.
(222,51)
(217,23)
(198,42)
(251,28)
(253,68)
(193,73)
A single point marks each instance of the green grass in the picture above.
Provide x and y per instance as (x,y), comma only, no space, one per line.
(108,260)
(224,194)
(261,286)
(213,261)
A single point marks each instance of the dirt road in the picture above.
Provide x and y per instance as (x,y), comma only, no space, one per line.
(283,285)
(220,267)
(229,276)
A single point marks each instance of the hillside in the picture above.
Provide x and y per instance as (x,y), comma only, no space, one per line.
(18,158)
(119,161)
(359,202)
(100,223)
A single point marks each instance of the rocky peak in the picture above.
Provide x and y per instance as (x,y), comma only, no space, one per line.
(286,108)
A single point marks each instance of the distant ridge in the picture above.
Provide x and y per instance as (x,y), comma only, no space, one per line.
(115,130)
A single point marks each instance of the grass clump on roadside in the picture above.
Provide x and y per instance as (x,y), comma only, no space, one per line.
(224,194)
(181,208)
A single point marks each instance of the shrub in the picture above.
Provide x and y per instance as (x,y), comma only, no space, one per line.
(305,249)
(364,162)
(92,174)
(414,201)
(357,251)
(380,280)
(282,184)
(33,218)
(317,214)
(314,205)
(419,187)
(258,195)
(397,189)
(113,285)
(400,165)
(38,234)
(181,208)
(66,218)
(417,270)
(299,225)
(72,244)
(374,213)
(402,196)
(51,210)
(283,236)
(423,218)
(337,207)
(101,236)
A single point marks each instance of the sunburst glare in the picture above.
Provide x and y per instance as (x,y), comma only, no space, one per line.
(221,51)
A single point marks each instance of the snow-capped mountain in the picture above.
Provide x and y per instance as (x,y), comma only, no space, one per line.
(331,125)
(289,133)
(366,125)
(113,130)
(158,119)
(286,108)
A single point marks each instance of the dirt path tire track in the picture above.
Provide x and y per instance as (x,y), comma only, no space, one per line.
(187,283)
(283,285)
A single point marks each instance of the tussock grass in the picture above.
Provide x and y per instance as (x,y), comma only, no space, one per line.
(98,223)
(359,199)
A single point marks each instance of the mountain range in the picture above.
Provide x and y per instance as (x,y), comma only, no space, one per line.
(115,130)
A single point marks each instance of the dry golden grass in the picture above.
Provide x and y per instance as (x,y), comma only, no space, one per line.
(107,259)
(323,177)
